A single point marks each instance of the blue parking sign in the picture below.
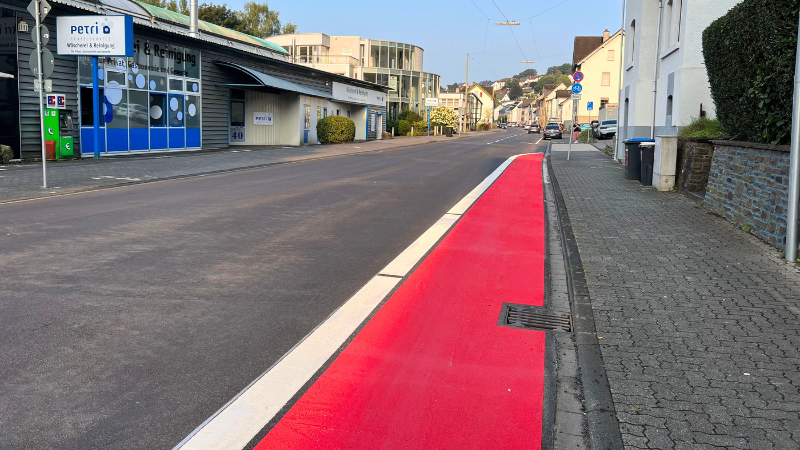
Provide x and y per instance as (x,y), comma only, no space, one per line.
(589,106)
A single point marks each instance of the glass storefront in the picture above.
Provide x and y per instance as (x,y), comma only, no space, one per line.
(9,94)
(407,89)
(150,101)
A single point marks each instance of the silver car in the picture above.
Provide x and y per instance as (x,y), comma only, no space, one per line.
(607,129)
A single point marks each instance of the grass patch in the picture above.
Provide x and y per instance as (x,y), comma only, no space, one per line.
(703,128)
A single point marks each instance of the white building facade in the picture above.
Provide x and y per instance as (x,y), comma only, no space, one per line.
(674,59)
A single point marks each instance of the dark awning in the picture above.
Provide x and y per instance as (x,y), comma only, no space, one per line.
(264,80)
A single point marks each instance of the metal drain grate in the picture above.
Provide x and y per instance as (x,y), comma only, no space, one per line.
(534,318)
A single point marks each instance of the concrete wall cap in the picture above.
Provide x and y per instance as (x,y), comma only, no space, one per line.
(777,148)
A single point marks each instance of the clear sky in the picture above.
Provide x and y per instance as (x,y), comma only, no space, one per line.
(449,29)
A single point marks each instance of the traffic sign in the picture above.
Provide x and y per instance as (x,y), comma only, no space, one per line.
(47,61)
(577,76)
(577,88)
(576,96)
(589,106)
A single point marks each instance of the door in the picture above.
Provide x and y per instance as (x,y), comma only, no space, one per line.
(9,94)
(177,129)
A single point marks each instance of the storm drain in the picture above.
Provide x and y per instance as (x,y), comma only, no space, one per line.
(534,318)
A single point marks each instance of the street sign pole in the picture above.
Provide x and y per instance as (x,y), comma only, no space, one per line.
(37,6)
(794,167)
(429,120)
(96,108)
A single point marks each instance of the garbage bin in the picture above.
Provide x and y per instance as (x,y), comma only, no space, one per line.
(647,158)
(633,158)
(449,132)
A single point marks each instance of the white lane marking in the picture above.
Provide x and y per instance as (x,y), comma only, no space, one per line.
(540,140)
(235,424)
(408,259)
(241,419)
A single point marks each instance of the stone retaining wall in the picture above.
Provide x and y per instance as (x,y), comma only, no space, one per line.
(748,185)
(694,165)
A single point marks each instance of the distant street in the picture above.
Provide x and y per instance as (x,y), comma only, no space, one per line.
(128,316)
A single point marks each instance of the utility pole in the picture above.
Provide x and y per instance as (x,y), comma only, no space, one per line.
(617,154)
(39,71)
(794,166)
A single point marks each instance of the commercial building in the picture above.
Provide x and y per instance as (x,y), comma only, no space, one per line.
(220,89)
(598,58)
(674,62)
(395,65)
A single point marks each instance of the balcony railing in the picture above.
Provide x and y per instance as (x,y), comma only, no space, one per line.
(326,59)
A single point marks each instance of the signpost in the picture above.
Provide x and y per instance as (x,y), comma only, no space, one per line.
(39,10)
(431,103)
(95,36)
(589,106)
(576,97)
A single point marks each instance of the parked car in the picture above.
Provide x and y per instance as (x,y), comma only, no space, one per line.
(534,128)
(501,125)
(607,129)
(585,126)
(552,130)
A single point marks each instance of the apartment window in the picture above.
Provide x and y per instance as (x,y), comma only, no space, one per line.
(338,113)
(606,79)
(677,24)
(610,55)
(603,102)
(324,112)
(632,41)
(669,111)
(666,38)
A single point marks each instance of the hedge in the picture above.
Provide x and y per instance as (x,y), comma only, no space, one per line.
(750,56)
(335,130)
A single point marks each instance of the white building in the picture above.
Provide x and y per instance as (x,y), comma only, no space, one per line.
(676,61)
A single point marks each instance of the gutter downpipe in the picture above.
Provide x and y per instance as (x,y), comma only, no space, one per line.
(655,68)
(193,13)
(617,149)
(794,166)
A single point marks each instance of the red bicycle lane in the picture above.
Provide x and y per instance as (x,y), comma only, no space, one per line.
(433,369)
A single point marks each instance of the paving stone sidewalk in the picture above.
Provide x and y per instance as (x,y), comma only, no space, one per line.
(25,180)
(699,322)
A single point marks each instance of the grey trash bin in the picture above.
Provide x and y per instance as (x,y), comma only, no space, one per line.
(633,158)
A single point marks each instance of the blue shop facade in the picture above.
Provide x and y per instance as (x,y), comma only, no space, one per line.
(176,92)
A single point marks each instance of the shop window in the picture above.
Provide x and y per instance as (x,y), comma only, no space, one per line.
(117,79)
(237,113)
(175,85)
(193,86)
(307,117)
(85,69)
(158,105)
(192,63)
(138,112)
(176,117)
(177,61)
(87,114)
(193,121)
(158,79)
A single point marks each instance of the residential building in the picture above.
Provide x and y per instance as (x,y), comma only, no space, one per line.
(598,58)
(176,92)
(393,64)
(675,61)
(522,112)
(545,104)
(500,84)
(483,110)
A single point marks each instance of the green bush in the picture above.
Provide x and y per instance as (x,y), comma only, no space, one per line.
(584,136)
(750,54)
(703,128)
(420,128)
(403,128)
(483,126)
(6,154)
(410,116)
(335,130)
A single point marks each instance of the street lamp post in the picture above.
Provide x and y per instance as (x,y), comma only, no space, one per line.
(794,165)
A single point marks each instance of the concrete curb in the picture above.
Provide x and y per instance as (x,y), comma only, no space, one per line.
(601,416)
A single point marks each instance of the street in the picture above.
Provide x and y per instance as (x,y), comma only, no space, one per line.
(148,307)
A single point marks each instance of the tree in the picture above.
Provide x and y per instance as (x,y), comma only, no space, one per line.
(546,79)
(445,117)
(219,15)
(526,73)
(260,21)
(563,69)
(452,87)
(564,79)
(514,89)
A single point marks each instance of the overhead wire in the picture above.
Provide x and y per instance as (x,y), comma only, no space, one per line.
(525,58)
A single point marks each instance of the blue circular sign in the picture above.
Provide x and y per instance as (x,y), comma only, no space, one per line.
(577,88)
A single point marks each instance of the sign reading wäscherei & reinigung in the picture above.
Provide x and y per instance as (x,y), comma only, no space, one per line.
(95,35)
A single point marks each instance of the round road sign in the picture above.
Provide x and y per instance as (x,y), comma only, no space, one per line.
(577,76)
(577,88)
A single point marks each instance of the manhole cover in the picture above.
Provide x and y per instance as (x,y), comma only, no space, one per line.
(534,318)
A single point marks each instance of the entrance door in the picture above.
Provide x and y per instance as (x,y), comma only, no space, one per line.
(177,130)
(9,95)
(379,127)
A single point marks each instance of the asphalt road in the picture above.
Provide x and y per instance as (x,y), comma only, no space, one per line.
(130,315)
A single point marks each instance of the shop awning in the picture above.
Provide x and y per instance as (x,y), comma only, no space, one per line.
(262,79)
